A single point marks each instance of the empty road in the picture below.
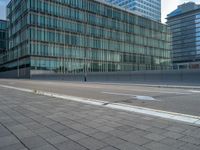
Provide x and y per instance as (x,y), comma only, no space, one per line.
(186,101)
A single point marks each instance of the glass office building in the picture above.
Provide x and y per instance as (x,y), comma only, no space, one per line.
(185,25)
(147,8)
(3,36)
(76,36)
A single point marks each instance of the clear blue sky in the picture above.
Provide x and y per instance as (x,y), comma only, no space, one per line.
(167,7)
(3,4)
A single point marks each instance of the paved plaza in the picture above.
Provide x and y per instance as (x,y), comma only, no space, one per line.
(34,122)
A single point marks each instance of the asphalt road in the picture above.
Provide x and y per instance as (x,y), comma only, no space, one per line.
(186,101)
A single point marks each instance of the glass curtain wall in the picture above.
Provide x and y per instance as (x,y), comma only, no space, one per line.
(186,37)
(73,36)
(3,36)
(147,8)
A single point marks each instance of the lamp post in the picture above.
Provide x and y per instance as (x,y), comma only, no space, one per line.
(85,68)
(17,63)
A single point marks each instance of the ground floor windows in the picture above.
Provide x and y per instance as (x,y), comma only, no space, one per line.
(72,65)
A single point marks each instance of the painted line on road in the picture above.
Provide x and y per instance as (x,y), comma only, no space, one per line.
(194,91)
(139,97)
(151,85)
(164,92)
(157,113)
(195,120)
(121,94)
(16,88)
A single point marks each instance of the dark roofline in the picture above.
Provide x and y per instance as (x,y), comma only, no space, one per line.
(182,14)
(3,20)
(115,7)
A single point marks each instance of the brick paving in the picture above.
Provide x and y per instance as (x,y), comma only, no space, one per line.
(35,122)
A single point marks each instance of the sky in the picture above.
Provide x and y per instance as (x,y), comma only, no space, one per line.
(170,5)
(167,7)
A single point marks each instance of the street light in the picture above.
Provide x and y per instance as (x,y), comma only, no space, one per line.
(18,63)
(85,68)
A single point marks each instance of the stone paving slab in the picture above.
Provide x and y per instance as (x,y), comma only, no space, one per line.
(35,122)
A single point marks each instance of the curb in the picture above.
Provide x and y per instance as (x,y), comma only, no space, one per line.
(147,85)
(194,120)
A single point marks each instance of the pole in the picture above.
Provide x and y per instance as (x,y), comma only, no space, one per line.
(85,68)
(18,63)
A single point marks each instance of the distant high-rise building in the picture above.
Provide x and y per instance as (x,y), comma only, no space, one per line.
(184,23)
(147,8)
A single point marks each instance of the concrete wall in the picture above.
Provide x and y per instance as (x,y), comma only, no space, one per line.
(176,77)
(23,73)
(180,77)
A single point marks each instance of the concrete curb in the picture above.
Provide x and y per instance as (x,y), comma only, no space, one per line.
(147,85)
(193,120)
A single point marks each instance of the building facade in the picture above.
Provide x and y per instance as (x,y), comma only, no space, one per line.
(76,36)
(3,36)
(147,8)
(185,26)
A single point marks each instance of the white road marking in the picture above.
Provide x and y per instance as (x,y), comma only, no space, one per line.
(194,91)
(167,92)
(157,113)
(11,83)
(16,88)
(151,85)
(121,94)
(195,120)
(139,97)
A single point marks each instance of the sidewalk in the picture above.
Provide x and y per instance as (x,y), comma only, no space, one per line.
(159,85)
(34,122)
(145,84)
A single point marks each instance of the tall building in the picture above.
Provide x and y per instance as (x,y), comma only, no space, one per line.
(185,26)
(3,36)
(147,8)
(78,36)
